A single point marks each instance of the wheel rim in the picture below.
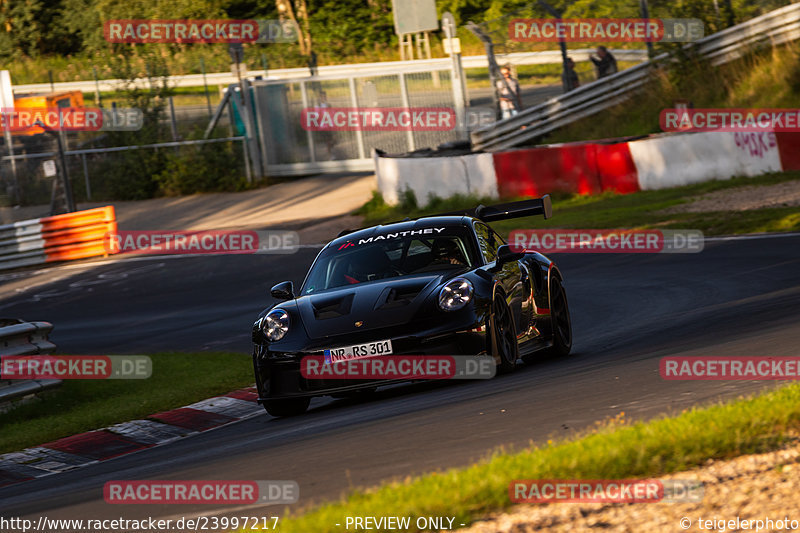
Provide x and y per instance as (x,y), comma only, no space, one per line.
(505,333)
(560,315)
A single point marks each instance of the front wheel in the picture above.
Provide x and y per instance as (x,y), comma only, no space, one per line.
(506,336)
(561,321)
(287,407)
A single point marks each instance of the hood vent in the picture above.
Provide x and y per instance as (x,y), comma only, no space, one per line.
(337,306)
(399,296)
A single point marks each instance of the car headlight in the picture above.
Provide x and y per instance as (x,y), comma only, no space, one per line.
(455,295)
(276,324)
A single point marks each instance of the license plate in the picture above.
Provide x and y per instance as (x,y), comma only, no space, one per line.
(359,351)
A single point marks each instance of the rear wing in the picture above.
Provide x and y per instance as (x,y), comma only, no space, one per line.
(489,213)
(524,208)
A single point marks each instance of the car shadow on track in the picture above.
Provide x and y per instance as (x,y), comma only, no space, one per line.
(409,389)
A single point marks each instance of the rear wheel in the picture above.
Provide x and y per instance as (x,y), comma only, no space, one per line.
(506,336)
(561,321)
(287,407)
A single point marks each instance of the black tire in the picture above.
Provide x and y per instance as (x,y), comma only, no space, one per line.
(506,335)
(561,321)
(288,407)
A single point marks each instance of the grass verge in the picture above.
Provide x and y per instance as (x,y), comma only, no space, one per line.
(83,405)
(610,210)
(618,449)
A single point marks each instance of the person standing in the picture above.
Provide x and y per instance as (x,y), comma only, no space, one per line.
(569,78)
(605,63)
(508,91)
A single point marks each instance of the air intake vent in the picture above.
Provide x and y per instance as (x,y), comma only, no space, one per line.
(325,308)
(399,296)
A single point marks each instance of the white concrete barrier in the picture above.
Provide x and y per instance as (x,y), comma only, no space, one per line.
(435,176)
(686,158)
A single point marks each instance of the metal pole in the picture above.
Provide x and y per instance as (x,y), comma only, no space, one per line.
(97,101)
(86,178)
(729,14)
(645,14)
(205,85)
(263,135)
(359,133)
(435,73)
(457,75)
(10,146)
(406,104)
(311,149)
(247,170)
(232,94)
(246,111)
(173,122)
(64,172)
(52,85)
(264,64)
(566,86)
(250,128)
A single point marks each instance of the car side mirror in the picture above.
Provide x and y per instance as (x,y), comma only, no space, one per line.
(283,291)
(505,255)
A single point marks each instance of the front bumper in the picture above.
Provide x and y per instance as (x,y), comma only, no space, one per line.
(278,373)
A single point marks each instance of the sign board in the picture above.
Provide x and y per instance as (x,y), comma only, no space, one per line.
(414,16)
(456,47)
(49,167)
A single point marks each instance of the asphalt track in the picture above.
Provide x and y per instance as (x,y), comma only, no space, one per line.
(737,297)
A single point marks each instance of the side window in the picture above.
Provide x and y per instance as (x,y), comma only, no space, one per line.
(487,242)
(499,241)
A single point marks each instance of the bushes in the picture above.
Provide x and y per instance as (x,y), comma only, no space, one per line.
(204,168)
(147,172)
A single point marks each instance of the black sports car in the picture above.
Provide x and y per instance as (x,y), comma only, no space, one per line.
(438,285)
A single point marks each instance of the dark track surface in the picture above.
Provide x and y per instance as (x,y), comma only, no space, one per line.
(738,297)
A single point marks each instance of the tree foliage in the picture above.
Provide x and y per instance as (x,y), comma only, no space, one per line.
(338,28)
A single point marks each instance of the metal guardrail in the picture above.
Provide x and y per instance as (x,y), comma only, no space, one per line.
(24,338)
(355,69)
(776,27)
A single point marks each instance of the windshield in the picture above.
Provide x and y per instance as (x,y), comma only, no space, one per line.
(392,255)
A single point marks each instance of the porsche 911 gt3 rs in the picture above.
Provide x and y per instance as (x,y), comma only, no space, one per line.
(437,285)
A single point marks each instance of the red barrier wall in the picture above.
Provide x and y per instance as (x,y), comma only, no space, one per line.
(789,148)
(586,168)
(537,171)
(616,169)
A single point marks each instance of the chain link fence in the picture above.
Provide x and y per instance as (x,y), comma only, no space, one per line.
(122,172)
